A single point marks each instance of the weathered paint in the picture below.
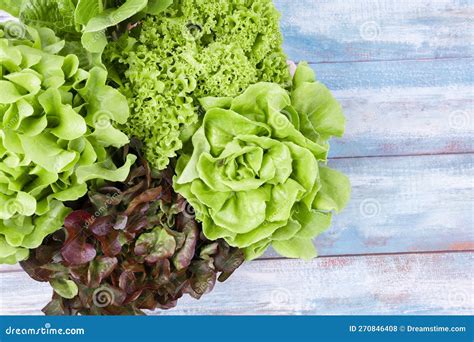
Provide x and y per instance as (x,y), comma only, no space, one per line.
(406,121)
(400,204)
(342,30)
(384,284)
(403,73)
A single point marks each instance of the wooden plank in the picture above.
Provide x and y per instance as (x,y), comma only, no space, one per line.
(403,107)
(403,204)
(449,73)
(342,30)
(406,121)
(371,285)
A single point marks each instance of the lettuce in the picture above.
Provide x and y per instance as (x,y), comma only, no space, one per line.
(193,49)
(256,175)
(133,242)
(56,133)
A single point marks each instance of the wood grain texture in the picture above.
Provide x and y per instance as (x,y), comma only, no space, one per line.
(402,71)
(341,30)
(403,107)
(391,284)
(403,204)
(406,121)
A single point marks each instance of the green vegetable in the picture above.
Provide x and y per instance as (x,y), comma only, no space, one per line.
(56,133)
(82,20)
(132,246)
(11,6)
(195,48)
(256,174)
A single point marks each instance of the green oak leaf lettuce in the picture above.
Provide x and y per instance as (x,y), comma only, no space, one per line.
(86,21)
(56,133)
(256,175)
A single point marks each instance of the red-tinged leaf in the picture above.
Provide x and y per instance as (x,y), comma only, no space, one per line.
(76,251)
(110,243)
(120,222)
(102,226)
(138,250)
(55,307)
(133,297)
(203,278)
(182,259)
(76,221)
(149,195)
(99,269)
(127,282)
(228,260)
(35,271)
(147,300)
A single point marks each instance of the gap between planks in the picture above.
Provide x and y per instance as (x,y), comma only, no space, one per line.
(425,59)
(17,268)
(434,283)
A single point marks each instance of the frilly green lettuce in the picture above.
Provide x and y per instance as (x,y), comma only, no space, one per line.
(193,49)
(256,175)
(56,133)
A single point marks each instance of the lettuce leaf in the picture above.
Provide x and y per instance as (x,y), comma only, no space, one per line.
(256,174)
(193,49)
(11,6)
(57,133)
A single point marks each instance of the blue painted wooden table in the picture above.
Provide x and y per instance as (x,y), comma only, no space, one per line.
(403,71)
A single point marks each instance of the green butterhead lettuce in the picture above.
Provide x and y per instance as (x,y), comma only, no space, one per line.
(56,133)
(256,174)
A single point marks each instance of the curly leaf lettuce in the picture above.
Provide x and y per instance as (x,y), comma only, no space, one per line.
(56,133)
(256,174)
(194,49)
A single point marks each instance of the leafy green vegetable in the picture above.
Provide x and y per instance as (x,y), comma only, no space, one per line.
(57,15)
(255,176)
(83,20)
(193,49)
(56,133)
(131,246)
(11,6)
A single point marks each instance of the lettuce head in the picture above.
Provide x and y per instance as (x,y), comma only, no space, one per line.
(56,134)
(256,172)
